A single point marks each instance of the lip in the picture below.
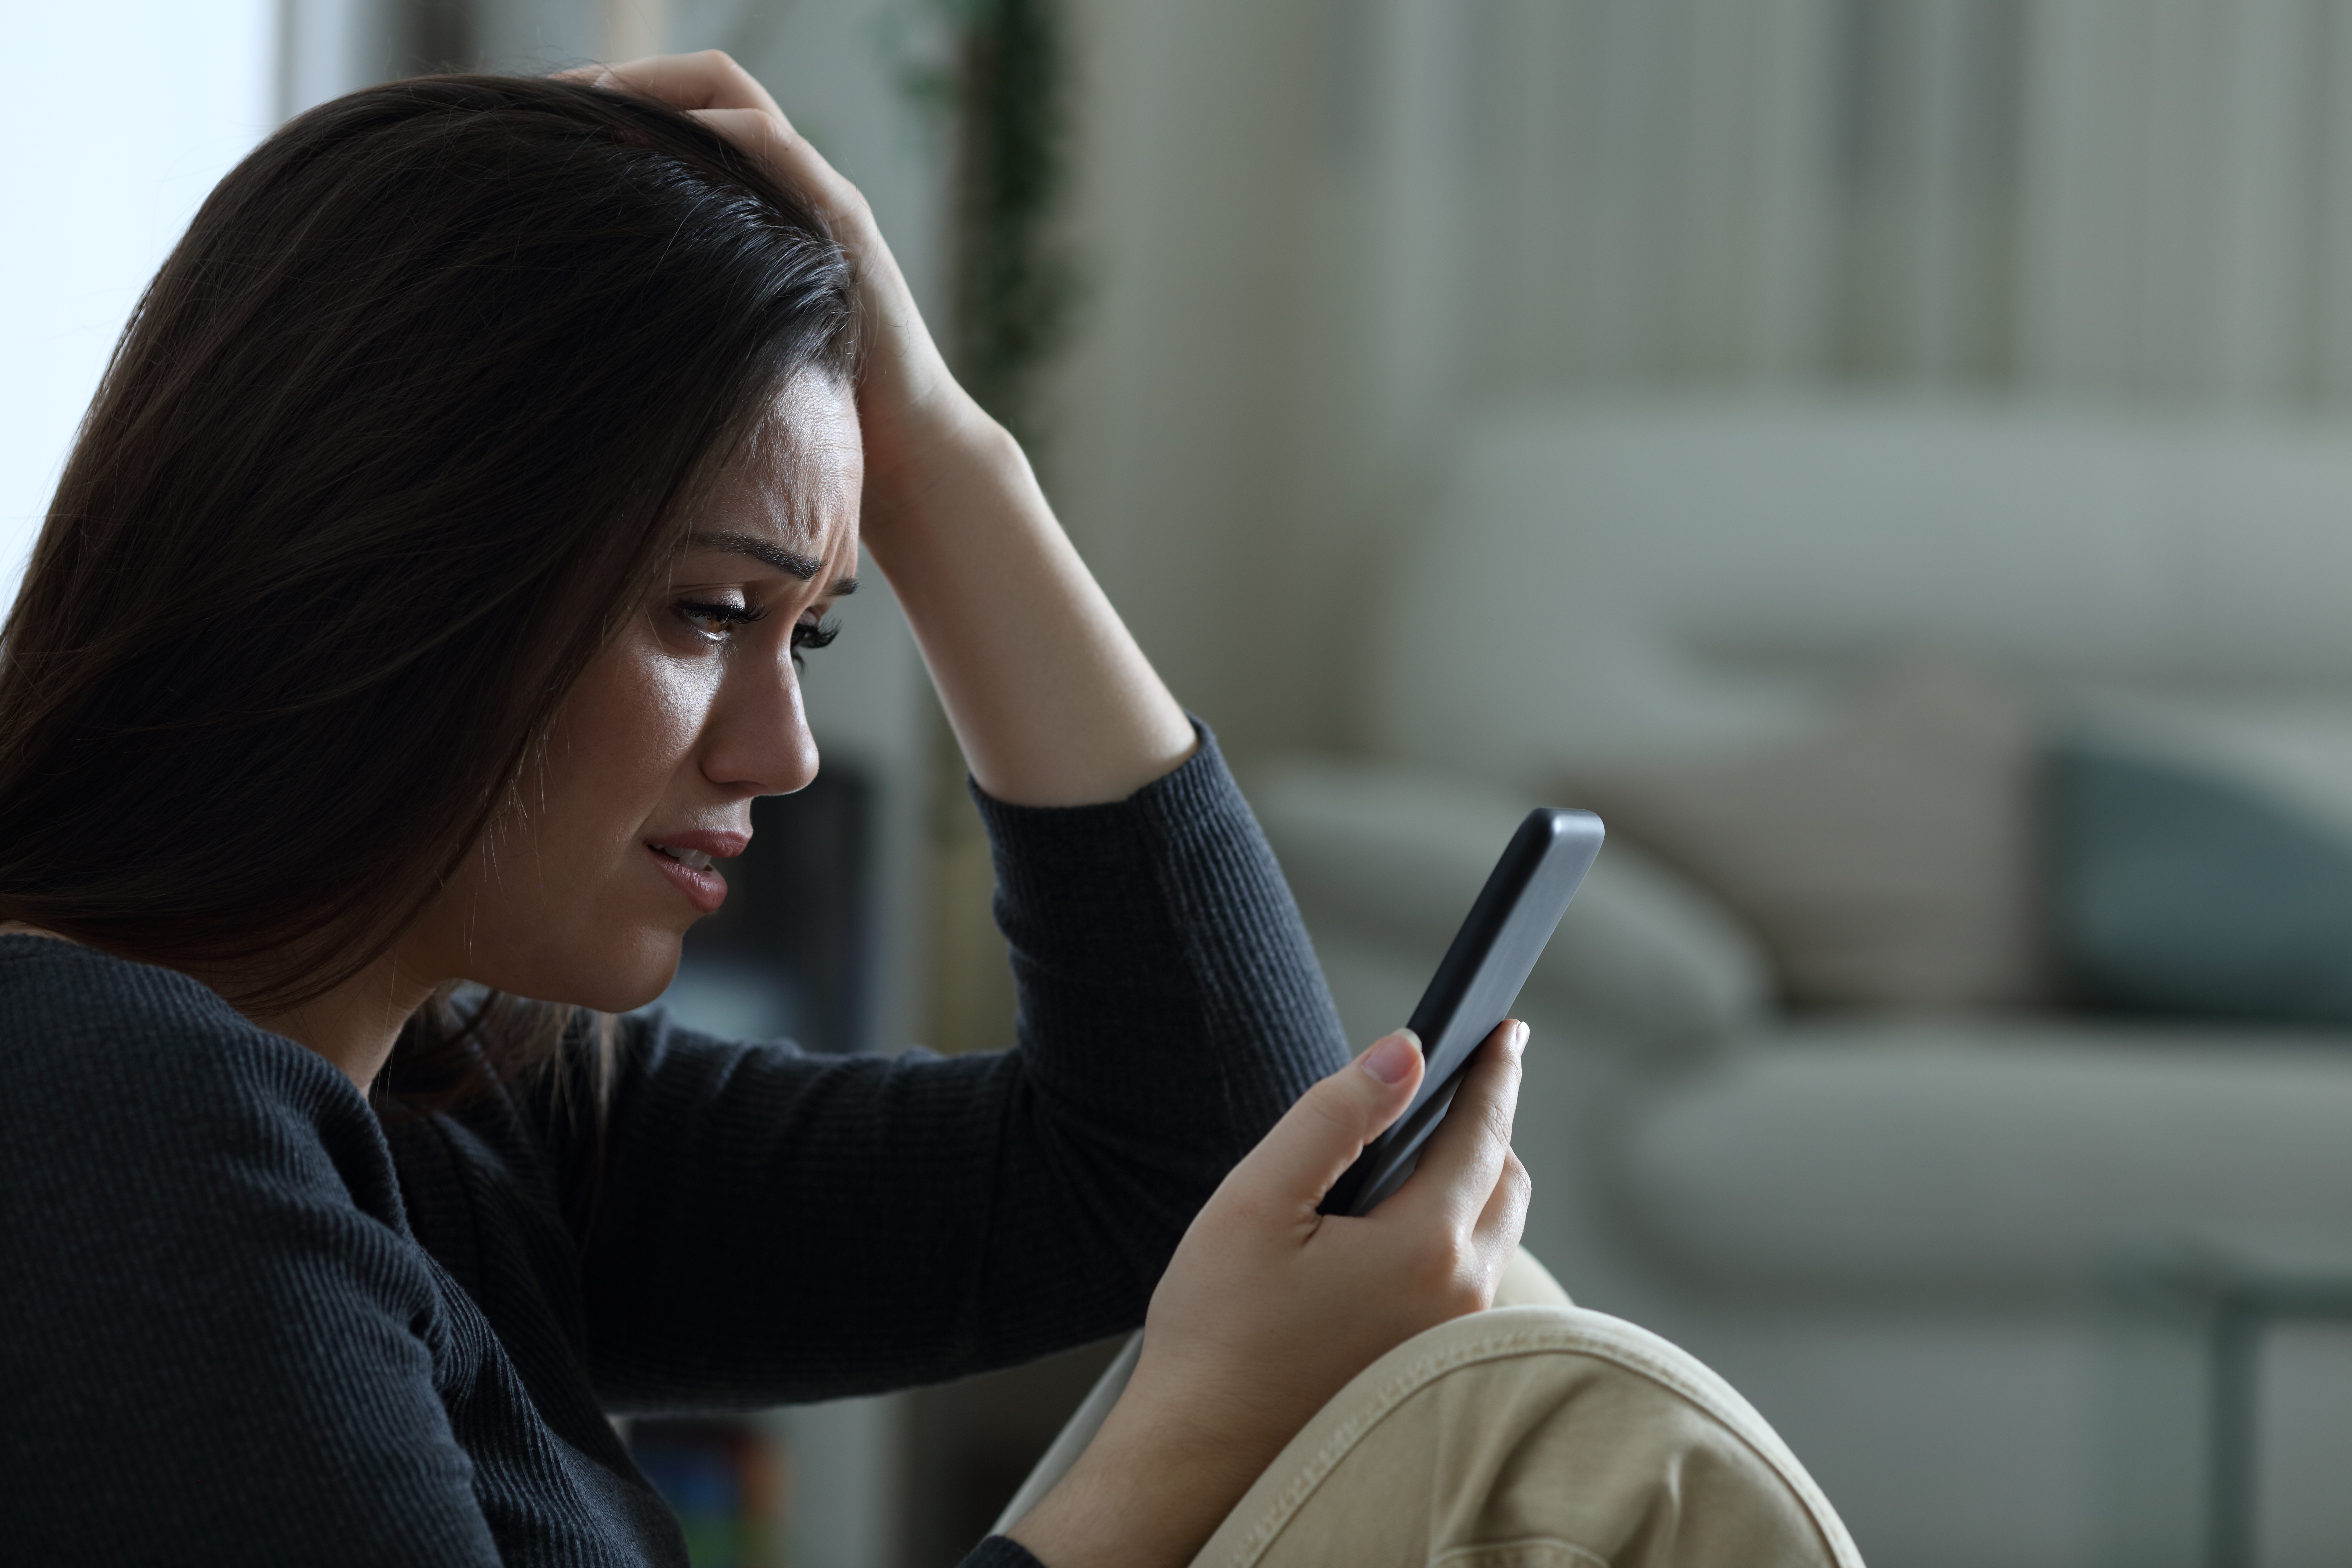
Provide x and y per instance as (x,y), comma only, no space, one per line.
(705,889)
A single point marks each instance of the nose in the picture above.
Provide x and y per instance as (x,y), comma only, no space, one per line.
(756,740)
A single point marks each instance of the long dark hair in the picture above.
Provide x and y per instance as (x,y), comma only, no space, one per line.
(405,422)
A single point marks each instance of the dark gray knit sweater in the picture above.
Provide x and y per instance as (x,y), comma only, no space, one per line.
(244,1319)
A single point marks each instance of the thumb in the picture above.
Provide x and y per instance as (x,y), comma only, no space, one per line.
(1318,1138)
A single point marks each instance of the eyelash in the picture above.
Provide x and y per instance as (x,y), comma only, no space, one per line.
(804,635)
(729,616)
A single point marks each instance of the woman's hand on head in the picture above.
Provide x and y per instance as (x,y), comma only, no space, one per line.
(907,401)
(1268,1308)
(1052,702)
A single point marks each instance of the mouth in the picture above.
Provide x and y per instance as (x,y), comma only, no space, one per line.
(688,861)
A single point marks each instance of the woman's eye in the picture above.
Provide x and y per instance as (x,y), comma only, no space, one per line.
(814,634)
(717,621)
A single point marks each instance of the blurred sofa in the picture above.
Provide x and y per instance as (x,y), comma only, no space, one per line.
(1888,1225)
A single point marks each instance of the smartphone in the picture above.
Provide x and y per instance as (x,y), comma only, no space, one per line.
(1491,958)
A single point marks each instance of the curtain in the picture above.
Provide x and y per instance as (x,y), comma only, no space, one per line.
(2146,199)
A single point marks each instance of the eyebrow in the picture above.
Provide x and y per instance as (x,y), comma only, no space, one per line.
(804,567)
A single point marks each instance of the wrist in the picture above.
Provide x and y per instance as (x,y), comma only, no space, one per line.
(927,459)
(1147,1493)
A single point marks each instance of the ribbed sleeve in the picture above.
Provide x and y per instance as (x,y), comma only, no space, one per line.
(1155,945)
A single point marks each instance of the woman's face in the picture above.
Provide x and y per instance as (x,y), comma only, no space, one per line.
(583,893)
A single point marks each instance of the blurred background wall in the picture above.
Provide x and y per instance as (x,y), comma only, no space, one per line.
(1325,234)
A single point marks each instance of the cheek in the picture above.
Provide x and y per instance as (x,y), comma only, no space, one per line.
(628,728)
(533,911)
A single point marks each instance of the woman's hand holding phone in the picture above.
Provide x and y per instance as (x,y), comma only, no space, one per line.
(1269,1307)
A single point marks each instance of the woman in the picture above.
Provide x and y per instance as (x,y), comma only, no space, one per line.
(417,616)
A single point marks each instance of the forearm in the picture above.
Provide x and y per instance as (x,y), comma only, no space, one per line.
(1051,699)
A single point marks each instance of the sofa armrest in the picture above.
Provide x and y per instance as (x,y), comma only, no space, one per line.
(1401,853)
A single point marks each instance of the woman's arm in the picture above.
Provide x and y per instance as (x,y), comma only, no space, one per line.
(1051,699)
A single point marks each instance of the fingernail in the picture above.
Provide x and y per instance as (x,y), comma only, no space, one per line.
(1390,1060)
(1519,1037)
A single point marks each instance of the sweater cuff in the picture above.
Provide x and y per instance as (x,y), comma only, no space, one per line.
(1093,891)
(997,1552)
(1201,782)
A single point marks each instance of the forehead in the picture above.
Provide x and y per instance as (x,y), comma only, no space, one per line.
(797,478)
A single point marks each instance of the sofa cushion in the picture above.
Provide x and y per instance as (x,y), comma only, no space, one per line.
(1399,854)
(1885,858)
(1985,1157)
(2179,889)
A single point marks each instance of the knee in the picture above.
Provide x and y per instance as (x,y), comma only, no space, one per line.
(1530,1437)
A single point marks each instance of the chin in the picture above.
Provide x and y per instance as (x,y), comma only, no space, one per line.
(618,977)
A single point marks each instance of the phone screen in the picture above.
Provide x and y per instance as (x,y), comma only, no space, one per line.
(1475,986)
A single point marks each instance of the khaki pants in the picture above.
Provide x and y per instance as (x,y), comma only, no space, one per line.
(1534,1435)
(1537,1434)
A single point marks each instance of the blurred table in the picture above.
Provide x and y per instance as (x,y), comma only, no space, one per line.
(2182,1406)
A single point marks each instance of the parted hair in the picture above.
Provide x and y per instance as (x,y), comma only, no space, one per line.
(408,419)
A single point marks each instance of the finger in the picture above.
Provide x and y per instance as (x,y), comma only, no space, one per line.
(710,79)
(1464,1158)
(788,155)
(1318,1138)
(713,88)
